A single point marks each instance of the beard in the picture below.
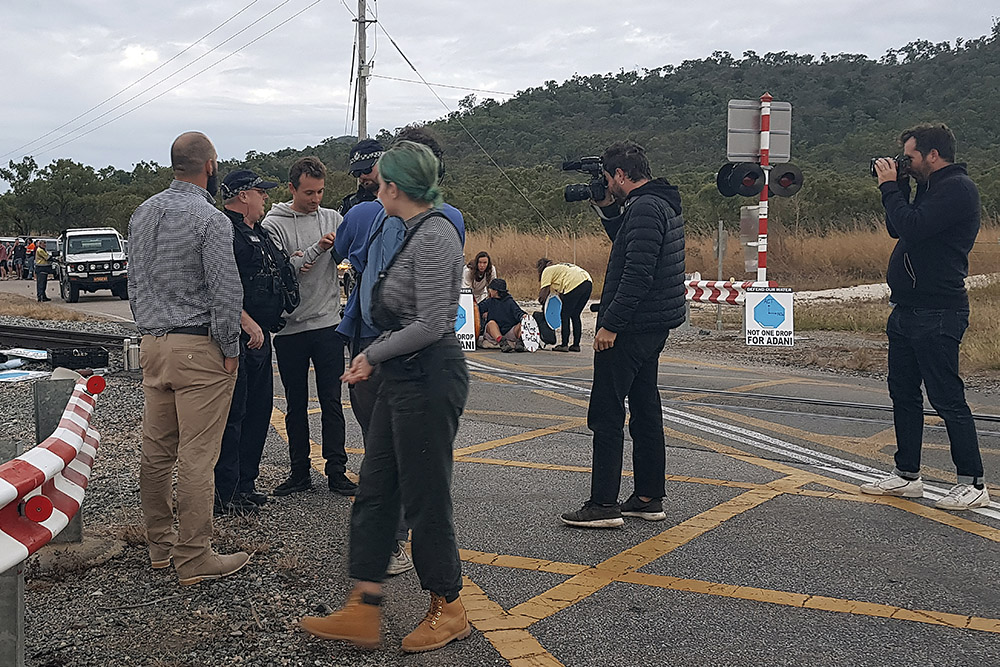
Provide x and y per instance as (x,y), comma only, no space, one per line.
(213,183)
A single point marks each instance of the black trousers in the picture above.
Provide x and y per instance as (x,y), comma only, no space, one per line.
(627,370)
(408,459)
(573,303)
(325,348)
(363,395)
(41,280)
(923,347)
(246,428)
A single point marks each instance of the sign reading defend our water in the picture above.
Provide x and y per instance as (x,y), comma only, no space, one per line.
(769,316)
(465,321)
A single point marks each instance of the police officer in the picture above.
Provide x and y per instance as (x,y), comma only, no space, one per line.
(260,265)
(363,159)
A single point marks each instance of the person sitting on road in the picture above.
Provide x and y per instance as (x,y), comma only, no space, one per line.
(502,316)
(573,285)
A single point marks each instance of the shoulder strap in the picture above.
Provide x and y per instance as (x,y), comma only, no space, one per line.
(413,232)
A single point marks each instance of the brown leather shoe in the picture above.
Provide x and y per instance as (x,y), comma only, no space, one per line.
(358,622)
(444,623)
(215,566)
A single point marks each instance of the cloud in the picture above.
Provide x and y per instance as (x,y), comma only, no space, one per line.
(291,87)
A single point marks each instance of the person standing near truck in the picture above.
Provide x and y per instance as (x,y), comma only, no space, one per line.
(43,267)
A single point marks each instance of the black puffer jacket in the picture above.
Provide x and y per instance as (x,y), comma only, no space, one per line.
(644,285)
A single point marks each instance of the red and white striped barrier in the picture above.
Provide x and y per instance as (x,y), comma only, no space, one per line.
(42,489)
(714,291)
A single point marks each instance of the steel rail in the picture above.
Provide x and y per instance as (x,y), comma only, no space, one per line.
(36,337)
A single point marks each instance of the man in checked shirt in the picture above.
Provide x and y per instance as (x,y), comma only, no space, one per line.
(186,297)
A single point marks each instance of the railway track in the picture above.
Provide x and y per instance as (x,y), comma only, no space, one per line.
(35,338)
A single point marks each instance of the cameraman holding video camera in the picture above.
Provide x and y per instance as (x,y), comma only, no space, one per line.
(930,314)
(643,299)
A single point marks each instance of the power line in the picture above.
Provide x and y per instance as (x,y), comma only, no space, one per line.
(137,81)
(198,73)
(42,149)
(462,125)
(443,85)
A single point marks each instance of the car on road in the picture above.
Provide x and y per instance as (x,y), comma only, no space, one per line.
(91,259)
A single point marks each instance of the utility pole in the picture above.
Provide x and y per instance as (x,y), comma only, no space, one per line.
(363,72)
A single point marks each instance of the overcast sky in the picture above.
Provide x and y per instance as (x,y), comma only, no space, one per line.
(291,86)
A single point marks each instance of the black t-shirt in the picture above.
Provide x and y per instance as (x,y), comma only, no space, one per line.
(504,311)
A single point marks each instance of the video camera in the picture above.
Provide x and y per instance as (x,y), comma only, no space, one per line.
(597,189)
(902,165)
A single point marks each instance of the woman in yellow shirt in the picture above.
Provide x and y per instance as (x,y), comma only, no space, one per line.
(43,267)
(573,285)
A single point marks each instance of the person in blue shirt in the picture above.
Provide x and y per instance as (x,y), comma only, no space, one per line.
(502,316)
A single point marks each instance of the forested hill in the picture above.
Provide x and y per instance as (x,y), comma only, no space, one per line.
(846,109)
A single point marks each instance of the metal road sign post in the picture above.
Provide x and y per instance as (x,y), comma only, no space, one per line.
(760,131)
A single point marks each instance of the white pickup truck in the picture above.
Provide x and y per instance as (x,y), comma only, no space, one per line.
(91,259)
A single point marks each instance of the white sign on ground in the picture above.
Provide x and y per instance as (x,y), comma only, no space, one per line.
(769,319)
(465,321)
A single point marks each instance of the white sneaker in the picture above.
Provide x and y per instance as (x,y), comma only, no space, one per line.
(964,497)
(894,485)
(400,561)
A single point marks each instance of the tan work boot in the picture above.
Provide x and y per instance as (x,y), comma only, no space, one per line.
(159,558)
(359,621)
(444,622)
(215,566)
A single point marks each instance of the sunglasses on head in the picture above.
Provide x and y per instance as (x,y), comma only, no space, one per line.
(357,172)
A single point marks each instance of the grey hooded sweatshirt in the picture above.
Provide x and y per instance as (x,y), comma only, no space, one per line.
(319,287)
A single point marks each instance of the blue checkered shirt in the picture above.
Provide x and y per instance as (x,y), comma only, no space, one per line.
(181,269)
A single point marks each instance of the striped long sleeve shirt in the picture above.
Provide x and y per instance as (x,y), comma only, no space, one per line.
(421,289)
(181,268)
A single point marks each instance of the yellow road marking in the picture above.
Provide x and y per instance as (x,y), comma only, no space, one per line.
(528,415)
(741,389)
(515,644)
(820,602)
(490,378)
(625,473)
(521,437)
(588,582)
(559,397)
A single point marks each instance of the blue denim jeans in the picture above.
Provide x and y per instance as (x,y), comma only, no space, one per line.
(923,347)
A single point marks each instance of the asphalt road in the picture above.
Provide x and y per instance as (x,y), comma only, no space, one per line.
(769,555)
(101,303)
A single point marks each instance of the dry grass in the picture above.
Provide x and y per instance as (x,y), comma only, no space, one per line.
(800,261)
(15,305)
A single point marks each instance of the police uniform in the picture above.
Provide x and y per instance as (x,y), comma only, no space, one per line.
(259,263)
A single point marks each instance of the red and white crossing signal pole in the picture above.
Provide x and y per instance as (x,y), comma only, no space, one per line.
(765,164)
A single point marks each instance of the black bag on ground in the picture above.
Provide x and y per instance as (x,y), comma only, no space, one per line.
(545,332)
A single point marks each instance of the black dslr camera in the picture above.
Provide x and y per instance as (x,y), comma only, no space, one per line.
(902,165)
(597,189)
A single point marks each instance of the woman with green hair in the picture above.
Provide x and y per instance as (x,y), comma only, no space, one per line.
(424,385)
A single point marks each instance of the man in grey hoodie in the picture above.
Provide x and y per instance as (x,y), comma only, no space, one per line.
(306,231)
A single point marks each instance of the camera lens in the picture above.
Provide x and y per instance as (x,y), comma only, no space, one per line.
(577,192)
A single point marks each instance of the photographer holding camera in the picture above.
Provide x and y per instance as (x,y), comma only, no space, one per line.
(642,300)
(930,314)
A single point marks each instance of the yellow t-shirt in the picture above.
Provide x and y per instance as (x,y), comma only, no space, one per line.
(564,278)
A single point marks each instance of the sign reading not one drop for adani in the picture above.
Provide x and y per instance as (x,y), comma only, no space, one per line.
(465,321)
(769,319)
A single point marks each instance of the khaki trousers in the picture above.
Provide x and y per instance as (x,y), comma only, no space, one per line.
(188,393)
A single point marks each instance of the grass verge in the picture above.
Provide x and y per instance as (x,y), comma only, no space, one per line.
(15,305)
